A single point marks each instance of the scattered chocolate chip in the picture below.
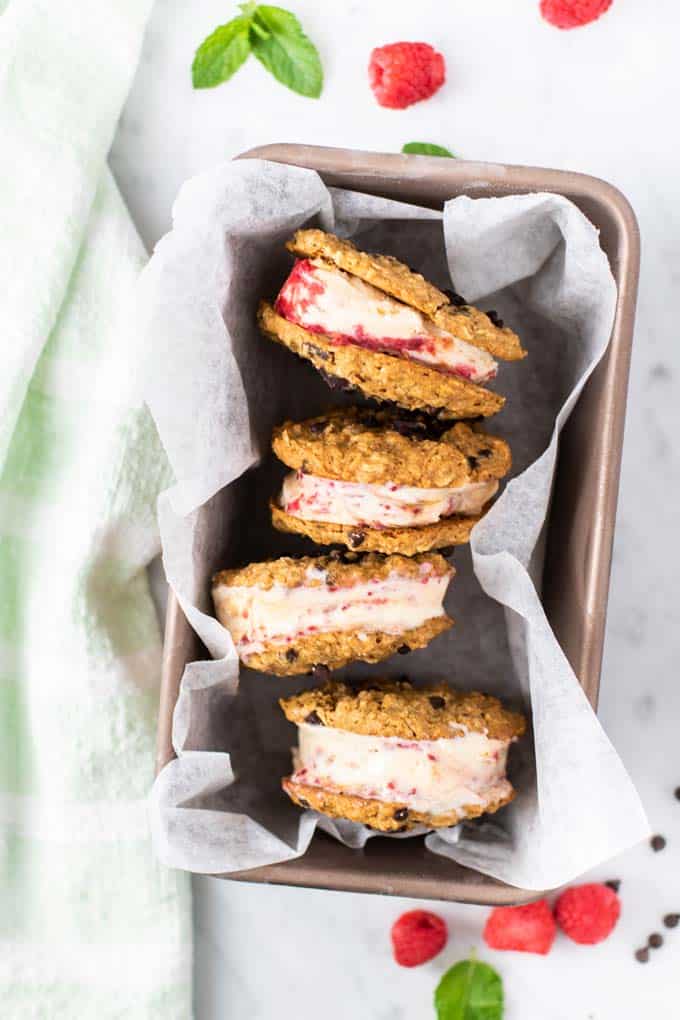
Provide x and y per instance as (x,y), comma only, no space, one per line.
(356,538)
(455,298)
(302,802)
(614,884)
(473,463)
(401,814)
(676,792)
(495,318)
(671,920)
(291,654)
(657,843)
(402,828)
(655,940)
(321,673)
(314,719)
(437,702)
(642,955)
(403,649)
(316,427)
(484,452)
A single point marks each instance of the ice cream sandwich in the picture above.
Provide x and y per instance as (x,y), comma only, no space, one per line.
(369,323)
(394,757)
(288,616)
(385,482)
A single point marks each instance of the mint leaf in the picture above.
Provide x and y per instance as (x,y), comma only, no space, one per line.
(222,53)
(469,990)
(278,42)
(426,149)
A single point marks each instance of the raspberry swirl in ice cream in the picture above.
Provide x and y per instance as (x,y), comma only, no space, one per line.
(347,310)
(379,506)
(429,776)
(257,617)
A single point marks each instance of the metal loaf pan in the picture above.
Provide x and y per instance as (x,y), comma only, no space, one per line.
(580,527)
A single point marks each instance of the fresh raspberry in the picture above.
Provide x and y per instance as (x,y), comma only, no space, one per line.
(528,929)
(404,73)
(573,13)
(417,936)
(588,913)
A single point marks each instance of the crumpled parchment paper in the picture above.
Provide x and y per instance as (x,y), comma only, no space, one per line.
(216,391)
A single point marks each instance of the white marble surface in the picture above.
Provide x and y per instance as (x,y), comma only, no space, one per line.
(600,100)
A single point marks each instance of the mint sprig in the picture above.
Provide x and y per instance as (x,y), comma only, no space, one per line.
(426,149)
(470,990)
(271,34)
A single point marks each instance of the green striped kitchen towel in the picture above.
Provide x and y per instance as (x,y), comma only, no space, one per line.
(91,926)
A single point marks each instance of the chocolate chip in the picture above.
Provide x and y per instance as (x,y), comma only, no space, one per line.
(317,427)
(415,425)
(671,920)
(473,463)
(318,352)
(402,828)
(321,673)
(335,382)
(495,318)
(291,654)
(401,814)
(657,843)
(676,792)
(302,802)
(655,940)
(409,428)
(642,955)
(356,538)
(314,719)
(455,299)
(614,884)
(437,702)
(403,649)
(485,452)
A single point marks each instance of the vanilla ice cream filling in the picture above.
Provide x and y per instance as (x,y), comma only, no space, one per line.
(257,617)
(348,310)
(378,506)
(432,776)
